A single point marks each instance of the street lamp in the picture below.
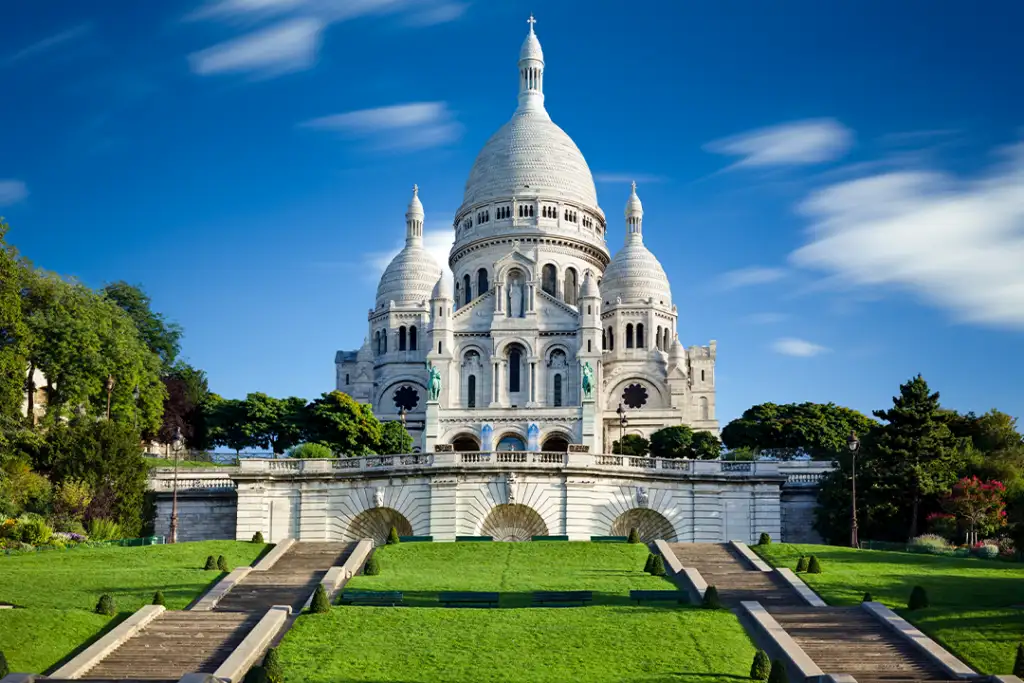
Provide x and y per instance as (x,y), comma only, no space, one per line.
(176,445)
(854,445)
(401,415)
(110,390)
(621,412)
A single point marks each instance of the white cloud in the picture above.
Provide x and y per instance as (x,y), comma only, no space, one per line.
(12,192)
(958,244)
(247,10)
(799,143)
(440,13)
(746,277)
(627,178)
(766,318)
(800,348)
(48,44)
(284,47)
(405,127)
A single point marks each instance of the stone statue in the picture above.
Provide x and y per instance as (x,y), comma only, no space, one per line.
(378,497)
(510,487)
(588,379)
(641,496)
(515,299)
(434,384)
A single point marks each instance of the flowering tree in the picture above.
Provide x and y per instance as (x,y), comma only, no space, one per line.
(978,504)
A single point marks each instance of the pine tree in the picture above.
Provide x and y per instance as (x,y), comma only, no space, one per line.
(765,539)
(5,669)
(1018,662)
(813,566)
(372,567)
(867,598)
(158,598)
(801,564)
(914,451)
(106,606)
(393,537)
(222,564)
(711,600)
(778,673)
(634,536)
(321,603)
(258,537)
(658,566)
(211,563)
(761,668)
(257,674)
(649,563)
(918,598)
(273,666)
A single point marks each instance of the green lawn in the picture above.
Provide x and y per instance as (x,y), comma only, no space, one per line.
(59,590)
(977,606)
(600,644)
(421,570)
(168,463)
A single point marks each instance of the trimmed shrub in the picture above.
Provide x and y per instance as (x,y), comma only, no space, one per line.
(711,600)
(258,537)
(931,544)
(158,598)
(634,536)
(658,566)
(987,551)
(650,563)
(106,606)
(4,669)
(321,603)
(813,566)
(1018,662)
(801,564)
(211,563)
(372,567)
(867,598)
(765,539)
(273,666)
(257,674)
(393,536)
(918,598)
(222,564)
(778,673)
(761,667)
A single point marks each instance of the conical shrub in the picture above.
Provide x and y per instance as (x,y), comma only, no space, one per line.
(257,674)
(813,566)
(1018,662)
(273,667)
(106,606)
(711,599)
(258,537)
(393,536)
(158,598)
(372,567)
(5,669)
(211,563)
(321,603)
(918,598)
(658,566)
(867,598)
(801,564)
(778,673)
(222,564)
(761,668)
(634,536)
(649,563)
(765,539)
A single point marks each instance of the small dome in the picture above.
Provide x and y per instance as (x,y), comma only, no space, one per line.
(589,288)
(633,205)
(531,46)
(415,209)
(677,354)
(443,288)
(409,278)
(635,275)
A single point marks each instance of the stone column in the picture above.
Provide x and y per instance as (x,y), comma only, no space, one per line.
(533,384)
(495,374)
(591,427)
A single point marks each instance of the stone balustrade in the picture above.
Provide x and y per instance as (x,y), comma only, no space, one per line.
(192,479)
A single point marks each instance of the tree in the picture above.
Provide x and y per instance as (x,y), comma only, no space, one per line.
(819,430)
(309,451)
(394,439)
(672,442)
(161,337)
(979,504)
(227,420)
(347,427)
(915,449)
(187,392)
(632,444)
(705,446)
(13,332)
(274,423)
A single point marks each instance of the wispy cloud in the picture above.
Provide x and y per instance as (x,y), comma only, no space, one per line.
(626,178)
(799,143)
(438,13)
(766,318)
(400,127)
(285,47)
(956,243)
(245,10)
(746,277)
(12,192)
(47,44)
(799,348)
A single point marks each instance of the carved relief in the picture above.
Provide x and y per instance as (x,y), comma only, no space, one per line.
(511,486)
(378,497)
(641,496)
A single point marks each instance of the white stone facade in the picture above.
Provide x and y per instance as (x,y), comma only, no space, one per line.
(536,297)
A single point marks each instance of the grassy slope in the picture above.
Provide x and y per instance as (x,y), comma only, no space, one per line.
(972,600)
(168,464)
(605,642)
(59,591)
(421,570)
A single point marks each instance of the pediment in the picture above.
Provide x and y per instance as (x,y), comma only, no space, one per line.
(515,258)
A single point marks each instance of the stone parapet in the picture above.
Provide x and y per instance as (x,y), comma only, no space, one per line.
(928,647)
(81,663)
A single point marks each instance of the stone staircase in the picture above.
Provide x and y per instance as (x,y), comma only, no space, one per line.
(723,568)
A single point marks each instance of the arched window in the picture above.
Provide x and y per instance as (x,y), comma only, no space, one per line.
(590,346)
(570,286)
(471,392)
(376,342)
(611,338)
(604,340)
(412,338)
(558,391)
(514,359)
(705,409)
(467,288)
(640,335)
(481,282)
(657,338)
(384,340)
(401,338)
(549,279)
(629,336)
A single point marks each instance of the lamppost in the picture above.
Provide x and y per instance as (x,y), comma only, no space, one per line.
(854,445)
(621,412)
(401,415)
(110,390)
(176,446)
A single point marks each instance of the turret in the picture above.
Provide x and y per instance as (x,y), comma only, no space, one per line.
(531,72)
(589,306)
(634,216)
(414,219)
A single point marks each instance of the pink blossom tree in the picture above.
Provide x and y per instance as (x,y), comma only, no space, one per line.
(978,504)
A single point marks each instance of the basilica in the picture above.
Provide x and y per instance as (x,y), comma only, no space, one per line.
(545,342)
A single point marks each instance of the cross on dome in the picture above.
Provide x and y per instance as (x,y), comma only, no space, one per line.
(531,21)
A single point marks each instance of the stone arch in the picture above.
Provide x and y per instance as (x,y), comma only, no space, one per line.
(651,525)
(556,442)
(376,523)
(384,401)
(513,523)
(501,350)
(549,279)
(464,442)
(655,392)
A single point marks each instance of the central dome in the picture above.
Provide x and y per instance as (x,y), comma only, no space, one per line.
(530,155)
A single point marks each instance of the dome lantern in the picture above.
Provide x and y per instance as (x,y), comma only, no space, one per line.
(634,215)
(414,218)
(413,272)
(531,72)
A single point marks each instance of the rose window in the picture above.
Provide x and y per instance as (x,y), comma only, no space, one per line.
(635,396)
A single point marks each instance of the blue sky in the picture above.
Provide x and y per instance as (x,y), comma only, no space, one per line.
(836,190)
